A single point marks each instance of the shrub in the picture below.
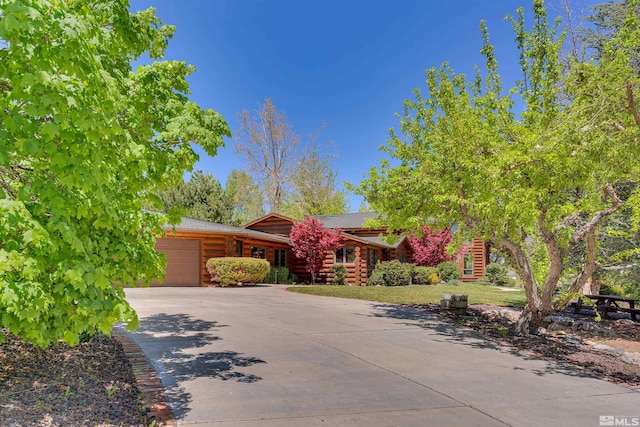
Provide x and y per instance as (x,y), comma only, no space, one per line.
(279,275)
(448,271)
(339,274)
(231,270)
(496,274)
(424,275)
(390,273)
(611,289)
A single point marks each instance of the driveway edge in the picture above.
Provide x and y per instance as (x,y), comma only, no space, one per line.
(147,380)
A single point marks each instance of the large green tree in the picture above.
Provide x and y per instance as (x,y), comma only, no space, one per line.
(618,239)
(314,190)
(202,197)
(464,156)
(84,140)
(246,196)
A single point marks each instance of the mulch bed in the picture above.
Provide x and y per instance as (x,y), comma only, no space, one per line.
(90,384)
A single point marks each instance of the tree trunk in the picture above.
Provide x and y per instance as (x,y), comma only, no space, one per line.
(530,321)
(592,287)
(535,311)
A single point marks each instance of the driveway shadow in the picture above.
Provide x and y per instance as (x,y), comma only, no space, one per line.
(444,331)
(447,330)
(172,343)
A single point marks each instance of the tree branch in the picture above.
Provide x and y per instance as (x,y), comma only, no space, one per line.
(587,272)
(555,258)
(609,191)
(521,263)
(632,104)
(571,220)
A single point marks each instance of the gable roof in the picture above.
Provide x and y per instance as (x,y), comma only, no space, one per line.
(271,215)
(201,226)
(349,220)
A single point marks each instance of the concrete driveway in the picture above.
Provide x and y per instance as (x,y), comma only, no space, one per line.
(262,356)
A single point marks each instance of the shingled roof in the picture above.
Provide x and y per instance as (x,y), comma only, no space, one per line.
(348,221)
(198,225)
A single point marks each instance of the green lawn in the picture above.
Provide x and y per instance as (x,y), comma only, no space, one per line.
(478,294)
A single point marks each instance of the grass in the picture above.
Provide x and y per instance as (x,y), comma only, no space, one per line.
(478,294)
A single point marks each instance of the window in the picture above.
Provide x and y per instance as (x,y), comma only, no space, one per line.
(467,265)
(372,257)
(258,252)
(239,248)
(280,258)
(346,255)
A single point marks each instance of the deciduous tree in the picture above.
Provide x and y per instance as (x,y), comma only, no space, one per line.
(546,176)
(271,148)
(430,247)
(311,241)
(314,189)
(84,141)
(246,196)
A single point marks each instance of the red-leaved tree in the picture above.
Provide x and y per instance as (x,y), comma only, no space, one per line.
(431,249)
(311,242)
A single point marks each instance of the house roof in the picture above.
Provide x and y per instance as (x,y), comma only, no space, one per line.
(380,241)
(271,215)
(349,220)
(198,225)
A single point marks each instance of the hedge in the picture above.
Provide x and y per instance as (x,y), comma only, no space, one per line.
(424,275)
(496,274)
(390,273)
(234,270)
(448,271)
(280,275)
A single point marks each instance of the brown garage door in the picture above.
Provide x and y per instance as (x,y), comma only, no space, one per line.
(183,261)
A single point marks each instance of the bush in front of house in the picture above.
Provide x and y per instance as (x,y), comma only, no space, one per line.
(339,274)
(496,274)
(235,270)
(448,271)
(280,275)
(390,273)
(424,275)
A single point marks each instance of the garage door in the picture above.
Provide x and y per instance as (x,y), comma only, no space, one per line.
(183,261)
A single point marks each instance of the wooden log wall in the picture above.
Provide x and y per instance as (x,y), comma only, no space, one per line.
(222,245)
(479,251)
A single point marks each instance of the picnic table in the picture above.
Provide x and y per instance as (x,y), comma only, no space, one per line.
(606,304)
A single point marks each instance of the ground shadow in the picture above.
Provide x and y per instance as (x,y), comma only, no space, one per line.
(172,342)
(446,331)
(453,330)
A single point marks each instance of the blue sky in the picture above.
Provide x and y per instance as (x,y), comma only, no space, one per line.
(347,63)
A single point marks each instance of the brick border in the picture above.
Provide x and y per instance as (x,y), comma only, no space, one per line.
(147,380)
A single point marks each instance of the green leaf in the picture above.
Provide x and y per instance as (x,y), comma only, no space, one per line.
(79,149)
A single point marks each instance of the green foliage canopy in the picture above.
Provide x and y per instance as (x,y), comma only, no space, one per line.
(246,196)
(464,157)
(314,189)
(83,141)
(202,197)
